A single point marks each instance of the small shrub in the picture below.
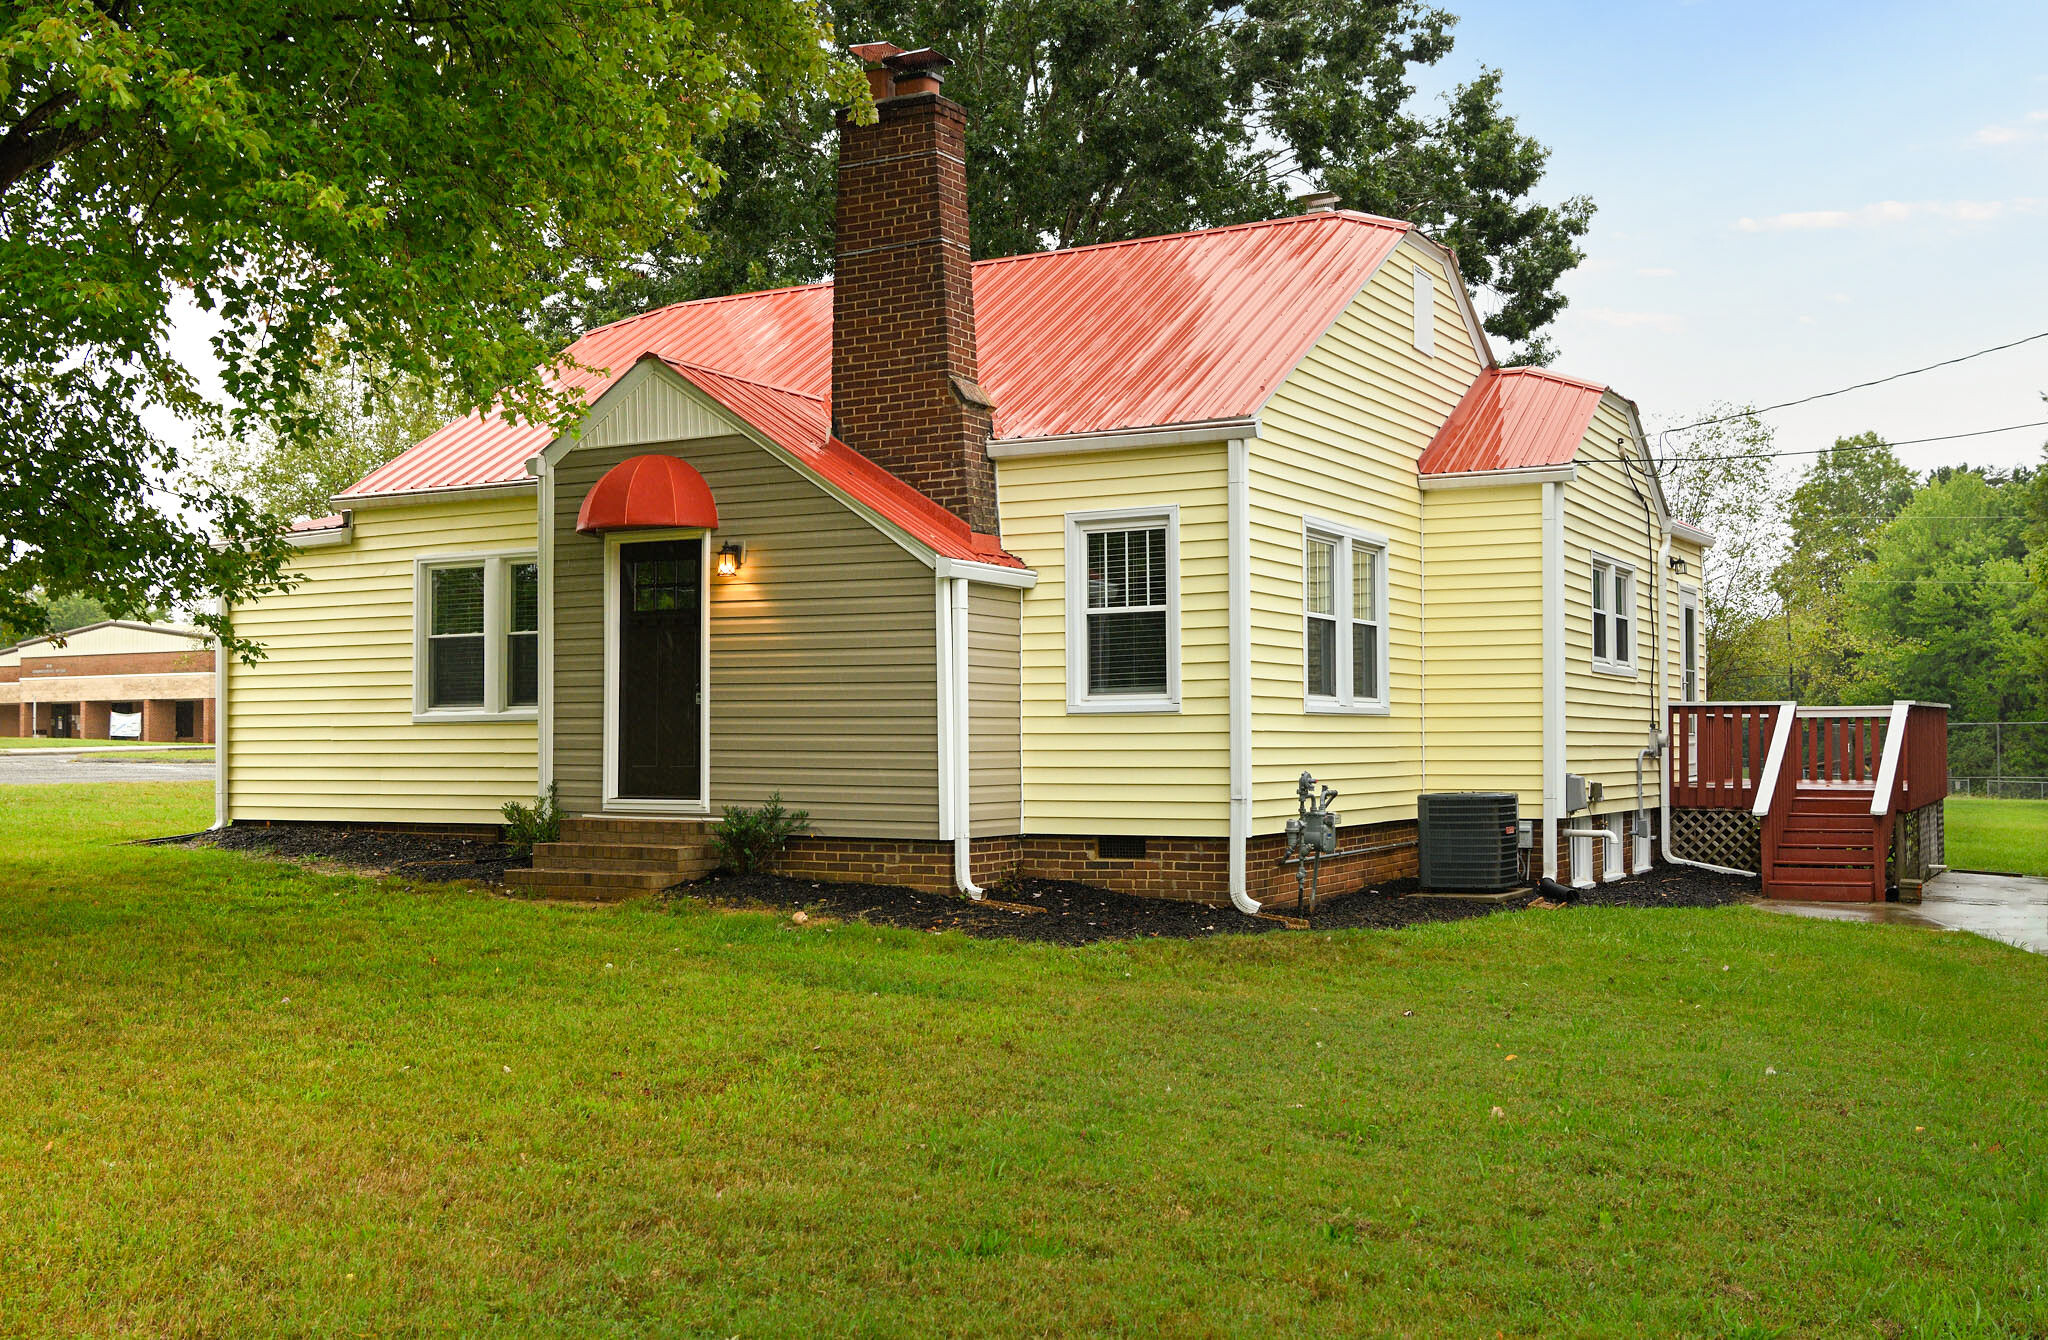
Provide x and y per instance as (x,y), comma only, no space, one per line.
(538,822)
(748,840)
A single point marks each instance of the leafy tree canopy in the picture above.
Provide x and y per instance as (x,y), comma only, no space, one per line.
(368,415)
(1094,121)
(410,181)
(1839,506)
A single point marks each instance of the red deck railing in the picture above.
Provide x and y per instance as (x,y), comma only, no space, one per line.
(1718,752)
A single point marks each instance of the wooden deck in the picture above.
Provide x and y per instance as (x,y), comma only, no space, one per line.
(1825,784)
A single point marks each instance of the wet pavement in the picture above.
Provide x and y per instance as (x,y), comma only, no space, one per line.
(48,767)
(2012,908)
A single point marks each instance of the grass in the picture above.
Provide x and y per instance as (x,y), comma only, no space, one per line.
(2006,836)
(242,1097)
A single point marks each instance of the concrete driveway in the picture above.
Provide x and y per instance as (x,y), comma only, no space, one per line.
(46,767)
(2012,908)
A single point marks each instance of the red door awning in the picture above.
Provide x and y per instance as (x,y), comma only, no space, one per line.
(648,493)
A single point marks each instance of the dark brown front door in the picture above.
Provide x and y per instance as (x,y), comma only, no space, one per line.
(660,710)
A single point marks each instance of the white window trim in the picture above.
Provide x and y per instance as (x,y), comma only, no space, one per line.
(1344,703)
(614,803)
(497,565)
(1079,526)
(1689,599)
(1609,664)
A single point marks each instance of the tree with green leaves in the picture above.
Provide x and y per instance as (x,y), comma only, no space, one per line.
(1093,121)
(368,415)
(1835,513)
(410,182)
(1723,477)
(1943,608)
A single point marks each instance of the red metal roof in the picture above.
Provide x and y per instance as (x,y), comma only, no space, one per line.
(1179,329)
(647,493)
(1513,419)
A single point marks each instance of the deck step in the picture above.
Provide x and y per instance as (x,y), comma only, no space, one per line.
(1814,890)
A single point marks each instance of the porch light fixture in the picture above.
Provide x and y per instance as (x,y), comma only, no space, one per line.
(730,555)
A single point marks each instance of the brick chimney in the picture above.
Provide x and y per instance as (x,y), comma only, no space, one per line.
(905,386)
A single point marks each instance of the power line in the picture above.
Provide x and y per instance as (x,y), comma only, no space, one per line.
(1849,446)
(1859,386)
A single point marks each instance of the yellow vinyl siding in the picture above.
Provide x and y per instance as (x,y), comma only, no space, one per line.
(995,744)
(1339,441)
(1484,683)
(322,728)
(1608,716)
(1153,773)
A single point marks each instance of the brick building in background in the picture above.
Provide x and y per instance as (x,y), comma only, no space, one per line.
(104,674)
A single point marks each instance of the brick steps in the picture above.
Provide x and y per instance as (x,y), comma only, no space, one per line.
(610,858)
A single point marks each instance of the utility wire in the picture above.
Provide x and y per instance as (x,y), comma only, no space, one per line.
(1859,386)
(1847,446)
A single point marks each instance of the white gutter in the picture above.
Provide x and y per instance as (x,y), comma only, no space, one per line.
(1489,479)
(993,574)
(1553,670)
(1121,439)
(342,501)
(962,733)
(220,726)
(544,558)
(324,536)
(1240,582)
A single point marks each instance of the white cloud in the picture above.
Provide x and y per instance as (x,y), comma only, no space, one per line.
(1884,212)
(1656,272)
(2031,129)
(1662,322)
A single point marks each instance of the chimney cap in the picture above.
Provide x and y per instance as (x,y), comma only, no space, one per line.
(1320,202)
(875,53)
(922,60)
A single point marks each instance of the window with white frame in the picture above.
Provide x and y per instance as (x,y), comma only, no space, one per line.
(1123,621)
(1614,605)
(1689,636)
(476,635)
(1343,615)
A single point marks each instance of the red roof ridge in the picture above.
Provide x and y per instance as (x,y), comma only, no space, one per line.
(1347,215)
(1566,378)
(697,302)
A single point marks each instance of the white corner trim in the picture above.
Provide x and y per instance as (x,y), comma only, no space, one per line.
(1488,479)
(1078,526)
(544,499)
(963,744)
(991,574)
(942,625)
(221,659)
(1553,671)
(1239,531)
(1198,433)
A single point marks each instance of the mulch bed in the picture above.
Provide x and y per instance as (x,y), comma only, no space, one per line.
(432,857)
(1064,913)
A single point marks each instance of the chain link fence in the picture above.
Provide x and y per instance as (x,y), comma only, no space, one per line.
(1998,758)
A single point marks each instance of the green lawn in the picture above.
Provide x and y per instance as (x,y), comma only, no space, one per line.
(185,755)
(241,1098)
(2009,837)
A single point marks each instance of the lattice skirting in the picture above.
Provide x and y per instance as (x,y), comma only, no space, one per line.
(1730,838)
(1919,843)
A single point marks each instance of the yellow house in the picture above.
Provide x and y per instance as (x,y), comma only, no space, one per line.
(1064,565)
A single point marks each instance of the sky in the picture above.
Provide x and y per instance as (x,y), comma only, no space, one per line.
(1794,197)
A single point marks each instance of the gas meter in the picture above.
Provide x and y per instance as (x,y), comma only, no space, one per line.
(1311,835)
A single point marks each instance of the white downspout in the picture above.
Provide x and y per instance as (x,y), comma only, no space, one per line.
(1553,670)
(1660,710)
(220,726)
(1240,580)
(962,733)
